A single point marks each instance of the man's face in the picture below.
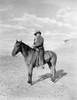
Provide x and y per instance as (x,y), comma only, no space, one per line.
(38,35)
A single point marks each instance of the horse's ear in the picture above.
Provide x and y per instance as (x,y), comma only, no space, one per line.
(16,40)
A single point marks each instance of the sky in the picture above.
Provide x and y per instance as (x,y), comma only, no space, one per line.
(19,19)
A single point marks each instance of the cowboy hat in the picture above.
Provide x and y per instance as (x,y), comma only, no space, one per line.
(37,32)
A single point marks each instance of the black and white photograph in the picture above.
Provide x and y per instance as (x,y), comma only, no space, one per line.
(38,49)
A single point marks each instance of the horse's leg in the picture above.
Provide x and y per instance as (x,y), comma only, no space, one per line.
(50,67)
(30,70)
(53,61)
(53,72)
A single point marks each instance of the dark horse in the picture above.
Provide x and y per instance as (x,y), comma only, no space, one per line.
(30,58)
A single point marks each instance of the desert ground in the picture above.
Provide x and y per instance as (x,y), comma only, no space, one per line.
(13,77)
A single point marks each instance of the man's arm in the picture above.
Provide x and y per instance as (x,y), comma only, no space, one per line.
(35,39)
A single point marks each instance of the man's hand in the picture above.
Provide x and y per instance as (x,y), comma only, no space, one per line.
(37,49)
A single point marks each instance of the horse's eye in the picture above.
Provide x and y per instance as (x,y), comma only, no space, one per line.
(15,45)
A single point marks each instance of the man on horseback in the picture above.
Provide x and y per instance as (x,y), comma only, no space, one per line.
(39,46)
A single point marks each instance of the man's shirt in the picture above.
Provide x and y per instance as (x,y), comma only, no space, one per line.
(38,42)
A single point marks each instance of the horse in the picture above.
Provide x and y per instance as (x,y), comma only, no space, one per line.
(29,55)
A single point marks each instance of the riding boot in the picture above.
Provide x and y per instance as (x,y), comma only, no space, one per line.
(37,61)
(41,59)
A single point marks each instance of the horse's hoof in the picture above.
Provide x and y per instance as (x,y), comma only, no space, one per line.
(30,82)
(53,80)
(42,67)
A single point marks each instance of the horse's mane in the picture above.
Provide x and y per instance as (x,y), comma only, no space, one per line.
(26,47)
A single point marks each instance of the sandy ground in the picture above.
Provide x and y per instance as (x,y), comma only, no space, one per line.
(13,77)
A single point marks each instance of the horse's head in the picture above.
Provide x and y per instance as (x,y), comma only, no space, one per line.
(17,48)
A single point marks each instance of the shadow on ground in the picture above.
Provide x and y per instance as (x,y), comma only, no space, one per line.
(59,75)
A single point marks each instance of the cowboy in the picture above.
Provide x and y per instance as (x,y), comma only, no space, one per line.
(39,46)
